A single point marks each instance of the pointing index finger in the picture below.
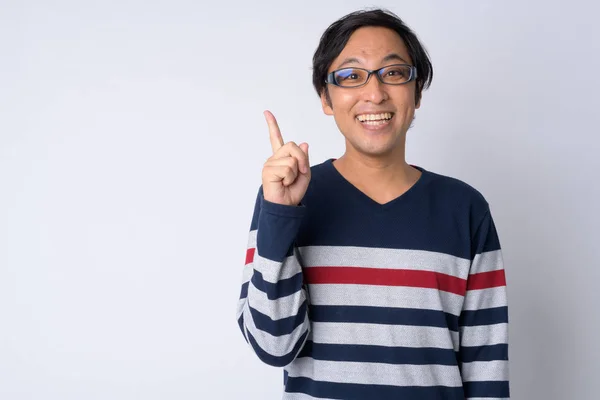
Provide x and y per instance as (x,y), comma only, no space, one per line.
(274,133)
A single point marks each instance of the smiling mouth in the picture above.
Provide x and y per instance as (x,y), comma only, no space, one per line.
(374,119)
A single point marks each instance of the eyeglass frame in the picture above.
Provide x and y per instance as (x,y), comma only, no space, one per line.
(413,75)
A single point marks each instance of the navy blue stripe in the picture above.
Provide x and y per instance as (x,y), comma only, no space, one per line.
(354,391)
(280,327)
(384,315)
(282,288)
(244,292)
(494,389)
(484,353)
(379,354)
(487,316)
(269,359)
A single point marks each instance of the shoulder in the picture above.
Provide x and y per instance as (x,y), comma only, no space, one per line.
(322,175)
(456,193)
(455,187)
(321,169)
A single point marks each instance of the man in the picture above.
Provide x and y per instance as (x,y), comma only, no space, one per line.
(367,277)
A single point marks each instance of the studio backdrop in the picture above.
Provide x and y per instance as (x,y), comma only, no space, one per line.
(131,146)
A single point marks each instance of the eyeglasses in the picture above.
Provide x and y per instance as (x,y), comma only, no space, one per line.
(397,74)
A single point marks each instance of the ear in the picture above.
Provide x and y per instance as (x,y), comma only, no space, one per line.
(419,102)
(325,103)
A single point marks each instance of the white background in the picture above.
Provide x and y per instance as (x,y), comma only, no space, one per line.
(131,145)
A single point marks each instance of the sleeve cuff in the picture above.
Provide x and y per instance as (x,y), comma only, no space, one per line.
(282,210)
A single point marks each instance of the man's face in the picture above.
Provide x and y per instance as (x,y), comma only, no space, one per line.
(372,48)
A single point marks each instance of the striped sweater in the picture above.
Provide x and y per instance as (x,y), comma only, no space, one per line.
(361,300)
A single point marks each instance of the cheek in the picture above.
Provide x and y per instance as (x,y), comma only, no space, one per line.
(343,104)
(405,103)
(404,95)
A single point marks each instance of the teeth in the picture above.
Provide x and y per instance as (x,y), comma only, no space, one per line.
(375,123)
(374,117)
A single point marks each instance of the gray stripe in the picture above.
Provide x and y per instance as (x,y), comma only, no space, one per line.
(240,308)
(274,271)
(384,335)
(247,272)
(485,335)
(302,396)
(488,261)
(252,235)
(485,298)
(485,371)
(376,373)
(396,258)
(385,296)
(367,257)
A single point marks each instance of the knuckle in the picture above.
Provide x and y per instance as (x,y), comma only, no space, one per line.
(290,171)
(291,162)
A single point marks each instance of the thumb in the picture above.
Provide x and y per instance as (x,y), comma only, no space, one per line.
(304,147)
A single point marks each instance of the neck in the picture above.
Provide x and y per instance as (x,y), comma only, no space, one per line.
(376,170)
(382,177)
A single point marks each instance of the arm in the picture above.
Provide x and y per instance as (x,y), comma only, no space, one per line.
(483,323)
(272,309)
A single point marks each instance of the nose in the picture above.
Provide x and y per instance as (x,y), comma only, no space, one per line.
(374,91)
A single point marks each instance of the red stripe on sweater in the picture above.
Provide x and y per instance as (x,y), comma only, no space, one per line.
(250,255)
(385,277)
(486,280)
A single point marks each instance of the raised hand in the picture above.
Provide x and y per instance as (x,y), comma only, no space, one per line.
(286,174)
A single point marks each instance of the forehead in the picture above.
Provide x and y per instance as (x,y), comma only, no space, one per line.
(371,44)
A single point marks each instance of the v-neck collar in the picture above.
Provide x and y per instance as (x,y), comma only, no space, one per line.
(412,191)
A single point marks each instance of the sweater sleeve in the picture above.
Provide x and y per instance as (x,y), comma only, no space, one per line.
(272,310)
(483,323)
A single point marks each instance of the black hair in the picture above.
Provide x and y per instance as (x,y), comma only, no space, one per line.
(336,36)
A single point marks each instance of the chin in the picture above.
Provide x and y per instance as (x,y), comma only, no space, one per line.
(374,150)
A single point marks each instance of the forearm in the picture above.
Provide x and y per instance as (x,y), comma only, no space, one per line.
(484,320)
(273,309)
(274,313)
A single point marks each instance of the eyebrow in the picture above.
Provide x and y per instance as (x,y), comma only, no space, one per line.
(389,57)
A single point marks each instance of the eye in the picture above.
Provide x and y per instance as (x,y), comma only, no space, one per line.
(395,72)
(350,77)
(347,75)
